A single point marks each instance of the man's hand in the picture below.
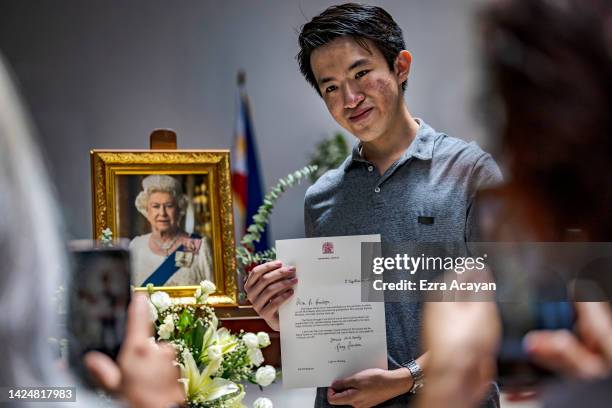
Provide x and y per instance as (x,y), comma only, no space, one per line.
(369,387)
(145,375)
(267,287)
(586,355)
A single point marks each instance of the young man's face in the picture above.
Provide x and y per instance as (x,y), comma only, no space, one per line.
(360,91)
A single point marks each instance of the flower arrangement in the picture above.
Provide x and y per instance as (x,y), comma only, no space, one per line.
(213,362)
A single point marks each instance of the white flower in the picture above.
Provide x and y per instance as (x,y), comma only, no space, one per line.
(265,375)
(224,336)
(152,311)
(226,340)
(255,356)
(214,353)
(208,287)
(161,300)
(167,328)
(250,340)
(199,385)
(263,339)
(262,402)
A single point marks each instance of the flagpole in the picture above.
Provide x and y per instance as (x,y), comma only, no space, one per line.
(241,79)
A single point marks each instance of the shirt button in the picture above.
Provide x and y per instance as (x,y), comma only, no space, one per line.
(370,168)
(377,190)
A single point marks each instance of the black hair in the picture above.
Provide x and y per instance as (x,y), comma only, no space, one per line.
(359,21)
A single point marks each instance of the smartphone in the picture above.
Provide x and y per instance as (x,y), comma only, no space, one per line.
(515,369)
(98,296)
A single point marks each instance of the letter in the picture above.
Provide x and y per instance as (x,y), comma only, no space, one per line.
(415,264)
(480,263)
(459,262)
(377,268)
(406,259)
(398,261)
(379,281)
(389,263)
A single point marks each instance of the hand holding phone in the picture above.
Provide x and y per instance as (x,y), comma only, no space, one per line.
(585,353)
(98,296)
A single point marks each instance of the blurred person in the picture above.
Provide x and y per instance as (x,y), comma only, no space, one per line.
(550,64)
(403,180)
(34,264)
(167,256)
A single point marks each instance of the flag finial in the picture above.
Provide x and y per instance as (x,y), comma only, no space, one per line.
(241,77)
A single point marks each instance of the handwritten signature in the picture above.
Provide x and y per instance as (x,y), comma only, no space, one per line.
(312,302)
(346,343)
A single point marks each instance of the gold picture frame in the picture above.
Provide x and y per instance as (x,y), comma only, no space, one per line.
(116,174)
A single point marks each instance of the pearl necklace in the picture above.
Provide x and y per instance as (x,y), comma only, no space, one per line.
(165,246)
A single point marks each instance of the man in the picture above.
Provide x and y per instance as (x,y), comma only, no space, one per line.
(403,180)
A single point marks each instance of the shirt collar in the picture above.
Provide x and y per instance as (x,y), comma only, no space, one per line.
(421,147)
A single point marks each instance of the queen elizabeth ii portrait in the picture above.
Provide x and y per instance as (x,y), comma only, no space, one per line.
(167,255)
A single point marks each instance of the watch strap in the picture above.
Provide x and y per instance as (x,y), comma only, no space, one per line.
(418,377)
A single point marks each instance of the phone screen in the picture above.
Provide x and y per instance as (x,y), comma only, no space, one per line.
(98,297)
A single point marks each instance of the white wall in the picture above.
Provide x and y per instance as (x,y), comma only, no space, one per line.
(102,74)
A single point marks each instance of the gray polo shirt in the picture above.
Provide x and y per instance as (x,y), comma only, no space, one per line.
(425,196)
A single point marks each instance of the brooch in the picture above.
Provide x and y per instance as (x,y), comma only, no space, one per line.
(183,259)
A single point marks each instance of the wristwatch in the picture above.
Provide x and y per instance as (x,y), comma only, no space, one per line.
(418,377)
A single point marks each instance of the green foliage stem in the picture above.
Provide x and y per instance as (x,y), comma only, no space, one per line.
(245,252)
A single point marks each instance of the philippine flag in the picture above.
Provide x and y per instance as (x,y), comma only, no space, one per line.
(246,176)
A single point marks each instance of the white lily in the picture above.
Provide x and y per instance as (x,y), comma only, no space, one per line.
(210,337)
(226,340)
(211,351)
(199,386)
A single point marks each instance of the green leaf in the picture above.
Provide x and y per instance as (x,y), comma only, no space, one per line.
(185,320)
(197,336)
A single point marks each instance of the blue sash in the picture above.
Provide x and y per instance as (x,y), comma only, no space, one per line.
(168,268)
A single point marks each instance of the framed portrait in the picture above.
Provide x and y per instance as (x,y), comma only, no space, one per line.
(175,207)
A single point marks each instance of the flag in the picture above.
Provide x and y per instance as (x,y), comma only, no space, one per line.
(247,185)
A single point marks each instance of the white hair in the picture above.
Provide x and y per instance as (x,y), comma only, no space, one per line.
(156,183)
(32,255)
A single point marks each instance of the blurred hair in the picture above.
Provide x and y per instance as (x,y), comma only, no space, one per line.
(359,21)
(551,68)
(33,258)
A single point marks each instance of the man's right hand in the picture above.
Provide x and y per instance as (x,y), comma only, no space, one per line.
(268,286)
(585,354)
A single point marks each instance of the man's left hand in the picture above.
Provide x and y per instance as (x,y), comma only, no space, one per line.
(369,387)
